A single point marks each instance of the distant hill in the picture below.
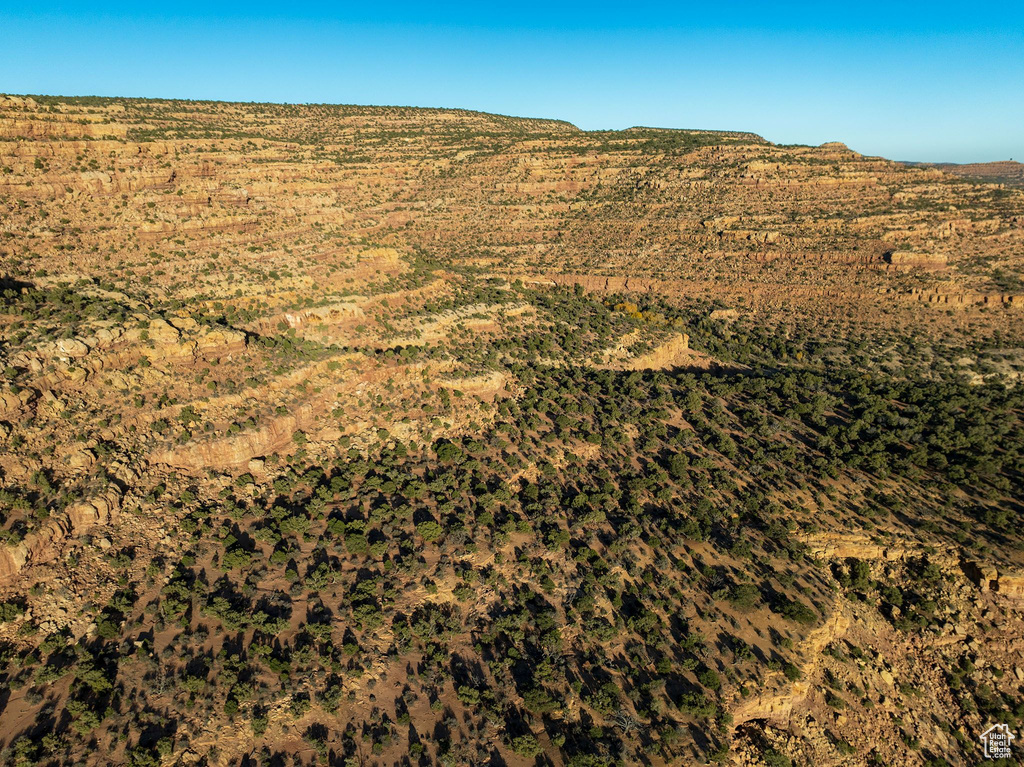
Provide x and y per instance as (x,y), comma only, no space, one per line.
(1007,172)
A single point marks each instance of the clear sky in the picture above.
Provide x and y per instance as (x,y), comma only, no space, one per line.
(933,81)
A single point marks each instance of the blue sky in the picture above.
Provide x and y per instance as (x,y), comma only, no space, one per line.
(907,80)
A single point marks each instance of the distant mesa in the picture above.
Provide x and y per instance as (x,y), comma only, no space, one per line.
(1008,172)
(746,135)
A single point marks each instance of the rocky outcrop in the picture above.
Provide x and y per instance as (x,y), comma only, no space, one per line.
(64,349)
(164,341)
(777,708)
(1010,584)
(593,283)
(847,546)
(44,544)
(988,577)
(485,385)
(237,451)
(161,229)
(160,342)
(672,353)
(916,258)
(964,299)
(337,312)
(12,128)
